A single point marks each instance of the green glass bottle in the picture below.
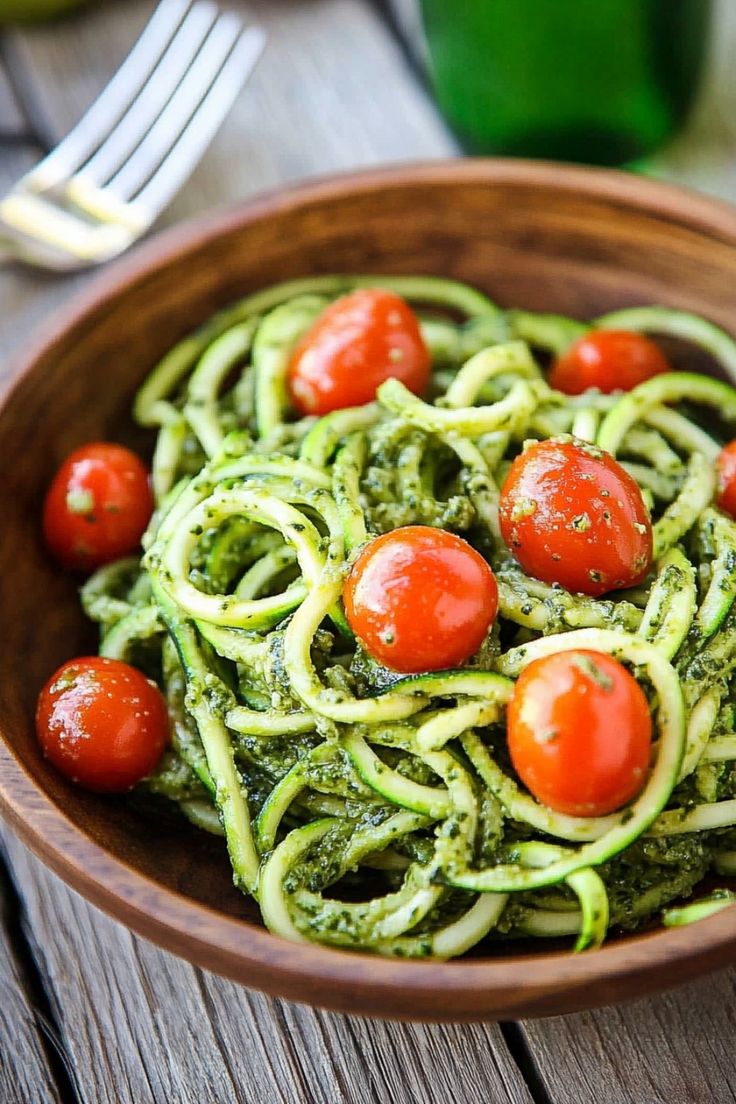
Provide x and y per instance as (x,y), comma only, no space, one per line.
(598,81)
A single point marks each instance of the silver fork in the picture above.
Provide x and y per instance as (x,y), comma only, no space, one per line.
(105,184)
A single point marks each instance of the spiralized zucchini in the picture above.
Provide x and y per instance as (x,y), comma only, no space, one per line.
(369,811)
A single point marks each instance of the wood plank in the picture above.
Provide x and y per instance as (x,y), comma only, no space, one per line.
(423,1063)
(25,1074)
(674,1048)
(144,1026)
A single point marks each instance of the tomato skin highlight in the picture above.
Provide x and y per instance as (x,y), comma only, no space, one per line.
(609,360)
(356,344)
(579,732)
(726,468)
(102,724)
(572,515)
(97,506)
(420,599)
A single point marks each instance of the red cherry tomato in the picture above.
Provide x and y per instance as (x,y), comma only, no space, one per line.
(358,342)
(420,599)
(611,360)
(726,466)
(580,732)
(572,515)
(97,507)
(102,724)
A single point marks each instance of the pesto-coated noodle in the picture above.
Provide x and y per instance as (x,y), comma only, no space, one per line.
(373,811)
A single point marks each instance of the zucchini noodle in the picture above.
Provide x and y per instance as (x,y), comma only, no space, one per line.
(367,810)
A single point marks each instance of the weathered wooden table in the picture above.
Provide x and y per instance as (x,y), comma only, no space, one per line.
(90,1012)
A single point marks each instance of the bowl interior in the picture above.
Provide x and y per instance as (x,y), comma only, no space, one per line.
(544,239)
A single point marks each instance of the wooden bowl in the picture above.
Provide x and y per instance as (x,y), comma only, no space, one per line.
(540,236)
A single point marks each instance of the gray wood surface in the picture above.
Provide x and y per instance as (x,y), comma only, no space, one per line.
(676,1049)
(332,92)
(24,1069)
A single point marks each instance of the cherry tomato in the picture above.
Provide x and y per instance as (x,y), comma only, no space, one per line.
(580,732)
(358,342)
(726,466)
(97,507)
(572,515)
(102,723)
(611,360)
(420,599)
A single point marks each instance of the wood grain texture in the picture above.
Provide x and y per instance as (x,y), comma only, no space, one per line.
(143,1026)
(24,1071)
(675,1049)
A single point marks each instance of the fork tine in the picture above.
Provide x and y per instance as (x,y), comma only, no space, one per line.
(179,111)
(96,124)
(17,246)
(32,216)
(152,98)
(187,151)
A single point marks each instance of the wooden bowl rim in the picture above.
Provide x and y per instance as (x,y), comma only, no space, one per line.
(471,988)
